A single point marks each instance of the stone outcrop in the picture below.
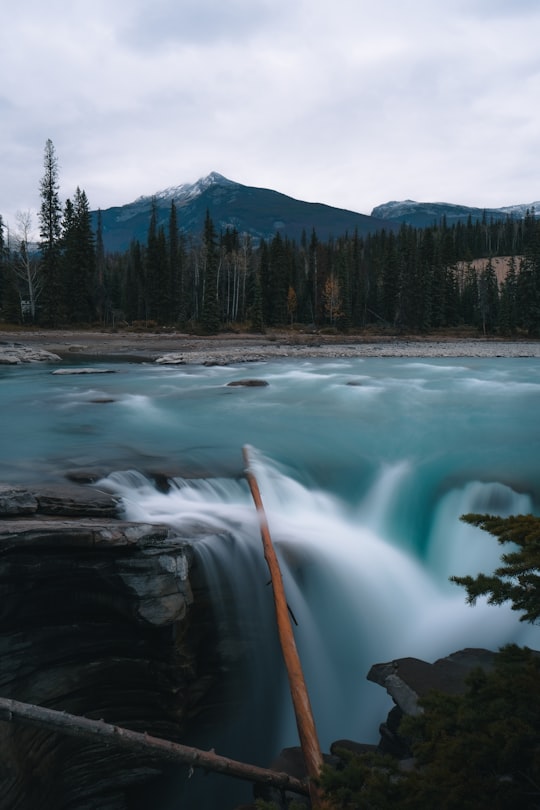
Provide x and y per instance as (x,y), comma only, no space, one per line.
(407,679)
(95,620)
(14,353)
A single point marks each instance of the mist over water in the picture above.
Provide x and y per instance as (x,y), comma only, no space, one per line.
(364,466)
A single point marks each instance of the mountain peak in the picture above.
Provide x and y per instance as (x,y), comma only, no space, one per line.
(187,191)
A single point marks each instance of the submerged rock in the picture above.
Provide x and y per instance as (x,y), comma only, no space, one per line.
(68,371)
(250,383)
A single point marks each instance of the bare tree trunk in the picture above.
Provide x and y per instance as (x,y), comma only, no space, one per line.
(76,726)
(304,716)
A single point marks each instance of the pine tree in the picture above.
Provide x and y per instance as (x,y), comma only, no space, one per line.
(10,296)
(100,291)
(528,282)
(276,284)
(508,300)
(390,281)
(518,579)
(176,304)
(134,297)
(50,215)
(488,298)
(210,321)
(469,296)
(3,261)
(78,260)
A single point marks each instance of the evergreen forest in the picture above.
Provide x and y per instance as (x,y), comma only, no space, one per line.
(415,281)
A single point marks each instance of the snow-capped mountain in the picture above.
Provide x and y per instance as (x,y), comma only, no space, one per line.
(519,211)
(259,212)
(187,191)
(423,214)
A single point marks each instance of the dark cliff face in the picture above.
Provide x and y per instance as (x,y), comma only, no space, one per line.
(96,620)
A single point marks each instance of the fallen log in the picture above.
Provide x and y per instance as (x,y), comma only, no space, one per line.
(302,708)
(77,726)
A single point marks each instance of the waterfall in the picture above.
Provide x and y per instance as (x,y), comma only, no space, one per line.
(356,596)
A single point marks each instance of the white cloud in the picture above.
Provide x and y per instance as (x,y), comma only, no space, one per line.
(350,103)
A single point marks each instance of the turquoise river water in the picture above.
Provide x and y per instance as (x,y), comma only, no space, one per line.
(365,466)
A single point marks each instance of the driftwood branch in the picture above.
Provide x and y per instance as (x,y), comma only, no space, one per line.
(52,720)
(302,708)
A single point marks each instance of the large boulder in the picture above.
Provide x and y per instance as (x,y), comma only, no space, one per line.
(407,680)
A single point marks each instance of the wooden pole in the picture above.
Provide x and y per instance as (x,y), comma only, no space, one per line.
(300,698)
(52,720)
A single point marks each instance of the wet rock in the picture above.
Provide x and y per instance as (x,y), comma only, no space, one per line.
(84,475)
(71,500)
(16,501)
(95,619)
(171,360)
(249,383)
(75,370)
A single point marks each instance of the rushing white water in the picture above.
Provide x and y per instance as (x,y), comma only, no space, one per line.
(357,597)
(364,467)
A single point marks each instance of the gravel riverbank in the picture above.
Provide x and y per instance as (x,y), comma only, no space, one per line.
(176,348)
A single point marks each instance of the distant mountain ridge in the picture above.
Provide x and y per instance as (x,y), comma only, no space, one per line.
(262,213)
(259,212)
(424,214)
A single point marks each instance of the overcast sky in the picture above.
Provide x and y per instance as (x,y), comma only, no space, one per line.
(348,102)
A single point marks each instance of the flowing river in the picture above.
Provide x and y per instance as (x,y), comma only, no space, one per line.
(364,465)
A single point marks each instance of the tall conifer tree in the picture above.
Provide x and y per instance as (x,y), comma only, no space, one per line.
(100,291)
(3,262)
(78,260)
(157,271)
(210,310)
(176,286)
(50,231)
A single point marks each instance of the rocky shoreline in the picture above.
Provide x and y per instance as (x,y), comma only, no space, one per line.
(177,348)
